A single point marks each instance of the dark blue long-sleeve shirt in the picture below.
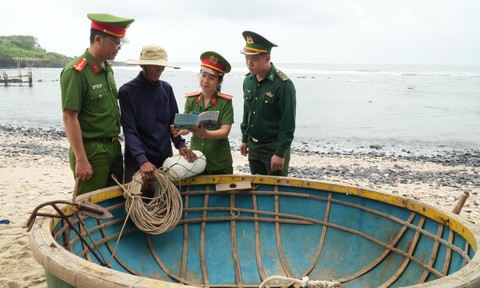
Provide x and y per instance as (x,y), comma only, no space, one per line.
(148,109)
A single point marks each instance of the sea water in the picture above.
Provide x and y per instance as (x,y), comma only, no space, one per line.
(347,107)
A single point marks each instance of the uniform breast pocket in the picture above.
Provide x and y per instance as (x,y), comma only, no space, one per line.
(248,98)
(247,95)
(269,98)
(98,99)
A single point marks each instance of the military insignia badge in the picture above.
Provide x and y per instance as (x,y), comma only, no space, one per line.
(214,59)
(249,40)
(95,68)
(269,94)
(281,75)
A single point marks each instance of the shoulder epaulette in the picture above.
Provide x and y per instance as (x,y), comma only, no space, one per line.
(281,75)
(193,94)
(225,96)
(80,64)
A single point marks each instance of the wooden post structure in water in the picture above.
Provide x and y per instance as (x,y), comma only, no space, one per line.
(7,79)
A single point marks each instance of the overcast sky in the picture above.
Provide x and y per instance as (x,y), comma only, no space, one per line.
(306,31)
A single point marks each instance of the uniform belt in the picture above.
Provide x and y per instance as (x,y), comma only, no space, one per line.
(256,141)
(106,139)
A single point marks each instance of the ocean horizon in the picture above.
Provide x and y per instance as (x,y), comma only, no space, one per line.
(414,108)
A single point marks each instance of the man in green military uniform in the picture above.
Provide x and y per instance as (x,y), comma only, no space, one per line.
(268,123)
(90,109)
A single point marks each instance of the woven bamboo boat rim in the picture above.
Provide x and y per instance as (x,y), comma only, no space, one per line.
(57,260)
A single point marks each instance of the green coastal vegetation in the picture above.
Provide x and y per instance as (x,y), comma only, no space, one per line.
(22,46)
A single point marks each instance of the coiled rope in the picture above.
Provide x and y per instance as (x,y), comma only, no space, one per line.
(158,214)
(305,282)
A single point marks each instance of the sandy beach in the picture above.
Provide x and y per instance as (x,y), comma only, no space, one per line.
(34,169)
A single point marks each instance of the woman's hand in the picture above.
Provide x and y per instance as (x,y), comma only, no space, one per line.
(200,132)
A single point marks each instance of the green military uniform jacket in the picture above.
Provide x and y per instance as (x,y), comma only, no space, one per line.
(269,113)
(217,151)
(90,89)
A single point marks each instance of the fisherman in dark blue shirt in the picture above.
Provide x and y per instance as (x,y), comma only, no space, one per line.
(148,109)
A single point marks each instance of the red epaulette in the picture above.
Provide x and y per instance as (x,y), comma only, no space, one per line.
(80,64)
(193,94)
(225,96)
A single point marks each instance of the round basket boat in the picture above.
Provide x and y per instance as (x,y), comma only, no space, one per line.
(241,230)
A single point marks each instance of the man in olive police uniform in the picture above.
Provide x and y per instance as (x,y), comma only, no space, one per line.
(90,109)
(268,123)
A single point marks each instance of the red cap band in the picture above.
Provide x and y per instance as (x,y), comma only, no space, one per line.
(113,30)
(216,66)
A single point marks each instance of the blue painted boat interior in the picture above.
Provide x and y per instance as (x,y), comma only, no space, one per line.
(242,237)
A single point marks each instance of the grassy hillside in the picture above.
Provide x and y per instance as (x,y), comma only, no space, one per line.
(19,46)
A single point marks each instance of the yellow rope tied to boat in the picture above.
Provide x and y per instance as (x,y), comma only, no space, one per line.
(158,214)
(305,282)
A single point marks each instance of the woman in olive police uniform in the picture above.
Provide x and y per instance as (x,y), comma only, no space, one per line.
(91,113)
(268,123)
(212,141)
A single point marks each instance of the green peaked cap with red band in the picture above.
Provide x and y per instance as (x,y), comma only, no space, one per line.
(215,61)
(256,44)
(110,24)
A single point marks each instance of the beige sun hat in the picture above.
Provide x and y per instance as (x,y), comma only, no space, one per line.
(152,55)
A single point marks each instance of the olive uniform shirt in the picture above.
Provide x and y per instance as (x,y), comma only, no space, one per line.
(90,89)
(268,114)
(217,151)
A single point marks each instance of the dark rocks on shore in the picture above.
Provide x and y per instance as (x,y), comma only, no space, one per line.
(392,176)
(29,146)
(377,176)
(45,133)
(387,176)
(468,157)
